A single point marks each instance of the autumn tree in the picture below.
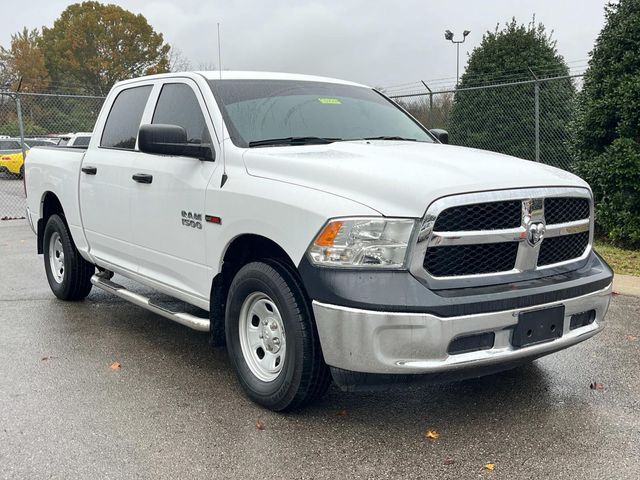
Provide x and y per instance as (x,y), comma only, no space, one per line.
(95,45)
(22,64)
(24,59)
(177,61)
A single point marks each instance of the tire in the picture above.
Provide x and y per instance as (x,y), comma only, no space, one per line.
(70,276)
(19,175)
(270,292)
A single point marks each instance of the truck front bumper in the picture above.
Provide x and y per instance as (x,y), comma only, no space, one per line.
(382,342)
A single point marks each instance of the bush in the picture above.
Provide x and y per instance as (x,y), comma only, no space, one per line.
(607,124)
(614,176)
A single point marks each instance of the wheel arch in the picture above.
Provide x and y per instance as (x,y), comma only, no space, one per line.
(241,250)
(49,205)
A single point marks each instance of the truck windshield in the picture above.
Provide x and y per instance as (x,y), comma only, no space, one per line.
(261,113)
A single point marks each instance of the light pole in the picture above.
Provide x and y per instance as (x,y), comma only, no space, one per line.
(448,35)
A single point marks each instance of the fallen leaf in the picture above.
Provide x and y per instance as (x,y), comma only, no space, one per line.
(115,366)
(596,386)
(614,294)
(431,434)
(489,466)
(341,413)
(631,337)
(259,424)
(449,461)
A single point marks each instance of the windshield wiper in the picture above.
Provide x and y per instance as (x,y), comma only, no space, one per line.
(390,137)
(293,141)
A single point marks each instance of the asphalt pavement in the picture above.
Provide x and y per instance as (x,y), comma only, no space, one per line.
(175,410)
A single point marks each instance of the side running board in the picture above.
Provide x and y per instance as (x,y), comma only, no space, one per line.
(186,319)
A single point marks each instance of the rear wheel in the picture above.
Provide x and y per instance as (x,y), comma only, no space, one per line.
(271,338)
(69,274)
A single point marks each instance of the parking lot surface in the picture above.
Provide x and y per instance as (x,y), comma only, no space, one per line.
(175,410)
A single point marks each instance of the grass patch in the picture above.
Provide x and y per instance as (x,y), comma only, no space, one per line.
(622,260)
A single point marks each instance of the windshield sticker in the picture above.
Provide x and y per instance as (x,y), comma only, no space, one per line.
(330,101)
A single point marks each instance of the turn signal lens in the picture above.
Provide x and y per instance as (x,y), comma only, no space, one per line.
(363,242)
(328,234)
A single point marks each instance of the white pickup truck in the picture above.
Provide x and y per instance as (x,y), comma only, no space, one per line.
(323,229)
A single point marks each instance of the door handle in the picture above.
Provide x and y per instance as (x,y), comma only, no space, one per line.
(89,170)
(143,178)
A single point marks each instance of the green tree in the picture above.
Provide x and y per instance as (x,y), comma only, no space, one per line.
(95,45)
(607,124)
(502,119)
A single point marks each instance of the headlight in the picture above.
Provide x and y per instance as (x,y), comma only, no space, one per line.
(363,242)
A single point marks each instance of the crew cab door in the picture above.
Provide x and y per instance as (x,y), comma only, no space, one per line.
(168,198)
(105,186)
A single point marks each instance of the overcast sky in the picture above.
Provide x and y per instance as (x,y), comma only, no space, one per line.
(380,43)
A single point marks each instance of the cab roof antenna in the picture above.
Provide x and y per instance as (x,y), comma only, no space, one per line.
(224,160)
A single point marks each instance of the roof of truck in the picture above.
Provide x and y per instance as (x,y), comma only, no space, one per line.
(247,75)
(243,75)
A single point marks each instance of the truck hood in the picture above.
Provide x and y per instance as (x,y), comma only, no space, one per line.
(400,178)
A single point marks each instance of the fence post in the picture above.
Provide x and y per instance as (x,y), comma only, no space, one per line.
(537,100)
(430,122)
(536,97)
(20,126)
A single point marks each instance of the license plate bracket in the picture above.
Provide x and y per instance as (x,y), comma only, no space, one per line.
(538,326)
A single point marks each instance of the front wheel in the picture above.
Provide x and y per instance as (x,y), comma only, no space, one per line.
(271,338)
(69,274)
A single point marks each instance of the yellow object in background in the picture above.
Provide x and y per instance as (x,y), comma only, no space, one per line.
(11,159)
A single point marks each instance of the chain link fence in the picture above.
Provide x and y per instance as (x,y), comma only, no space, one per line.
(44,119)
(528,119)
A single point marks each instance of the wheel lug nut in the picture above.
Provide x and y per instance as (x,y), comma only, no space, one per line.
(265,321)
(276,340)
(273,326)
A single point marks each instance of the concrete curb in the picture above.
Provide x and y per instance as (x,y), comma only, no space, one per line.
(626,284)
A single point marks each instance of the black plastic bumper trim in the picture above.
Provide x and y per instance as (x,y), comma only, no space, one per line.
(399,291)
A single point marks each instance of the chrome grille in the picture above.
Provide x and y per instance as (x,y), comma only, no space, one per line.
(503,232)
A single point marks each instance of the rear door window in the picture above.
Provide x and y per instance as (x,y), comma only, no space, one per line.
(123,122)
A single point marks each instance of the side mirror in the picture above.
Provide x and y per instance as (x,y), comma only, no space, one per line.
(441,135)
(171,140)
